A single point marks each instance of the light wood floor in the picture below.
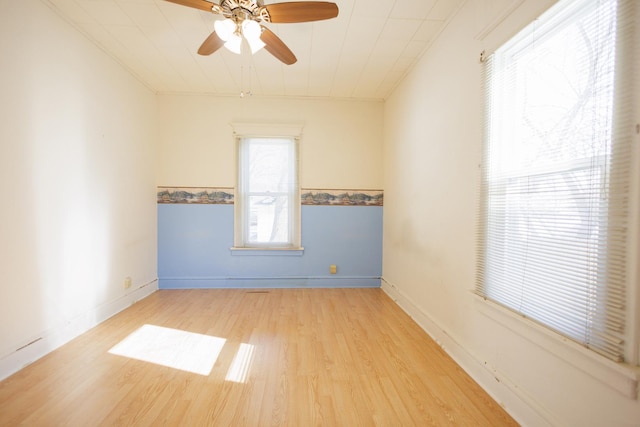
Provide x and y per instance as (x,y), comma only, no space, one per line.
(313,357)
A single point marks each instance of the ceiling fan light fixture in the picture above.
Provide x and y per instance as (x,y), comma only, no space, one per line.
(225,28)
(252,31)
(255,45)
(234,44)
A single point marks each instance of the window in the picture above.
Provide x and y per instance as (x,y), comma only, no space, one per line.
(267,195)
(556,170)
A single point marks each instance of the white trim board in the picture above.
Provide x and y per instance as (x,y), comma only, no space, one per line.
(269,282)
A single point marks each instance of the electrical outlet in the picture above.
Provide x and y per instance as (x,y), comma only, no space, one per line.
(127,282)
(333,269)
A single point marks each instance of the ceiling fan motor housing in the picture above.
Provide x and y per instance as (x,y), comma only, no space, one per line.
(239,10)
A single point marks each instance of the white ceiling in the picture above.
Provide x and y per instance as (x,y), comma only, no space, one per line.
(363,53)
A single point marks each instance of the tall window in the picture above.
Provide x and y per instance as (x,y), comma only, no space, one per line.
(553,236)
(268,198)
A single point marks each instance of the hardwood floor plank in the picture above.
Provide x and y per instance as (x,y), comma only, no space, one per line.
(284,357)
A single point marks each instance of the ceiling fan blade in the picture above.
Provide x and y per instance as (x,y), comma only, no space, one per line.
(197,4)
(211,44)
(301,11)
(276,47)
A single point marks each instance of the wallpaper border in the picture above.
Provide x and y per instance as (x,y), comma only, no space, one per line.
(196,195)
(318,197)
(309,196)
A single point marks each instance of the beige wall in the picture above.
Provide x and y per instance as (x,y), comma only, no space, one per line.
(77,178)
(341,146)
(432,153)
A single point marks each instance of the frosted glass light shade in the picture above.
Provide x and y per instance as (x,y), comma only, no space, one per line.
(225,29)
(234,43)
(252,31)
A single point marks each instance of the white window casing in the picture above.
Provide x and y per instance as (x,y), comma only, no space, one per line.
(267,195)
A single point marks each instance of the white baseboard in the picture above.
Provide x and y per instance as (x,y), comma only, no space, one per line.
(268,282)
(51,339)
(522,407)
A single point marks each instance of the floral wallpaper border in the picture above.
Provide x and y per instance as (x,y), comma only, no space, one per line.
(196,195)
(314,197)
(342,197)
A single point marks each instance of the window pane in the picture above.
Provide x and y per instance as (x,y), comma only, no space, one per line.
(269,219)
(558,95)
(270,166)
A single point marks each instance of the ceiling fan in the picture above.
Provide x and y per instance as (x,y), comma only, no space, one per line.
(243,19)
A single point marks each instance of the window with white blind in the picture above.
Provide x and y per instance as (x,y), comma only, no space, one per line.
(267,193)
(553,238)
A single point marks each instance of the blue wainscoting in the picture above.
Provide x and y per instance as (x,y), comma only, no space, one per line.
(194,242)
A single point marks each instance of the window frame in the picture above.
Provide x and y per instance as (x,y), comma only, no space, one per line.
(631,336)
(248,131)
(622,377)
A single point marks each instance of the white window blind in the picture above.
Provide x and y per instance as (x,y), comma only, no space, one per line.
(556,170)
(268,196)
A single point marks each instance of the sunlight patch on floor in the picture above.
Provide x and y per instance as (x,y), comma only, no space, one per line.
(173,348)
(239,369)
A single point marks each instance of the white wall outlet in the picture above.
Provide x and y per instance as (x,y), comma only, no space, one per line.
(127,282)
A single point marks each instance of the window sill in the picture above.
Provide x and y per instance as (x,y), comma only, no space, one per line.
(267,251)
(619,376)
